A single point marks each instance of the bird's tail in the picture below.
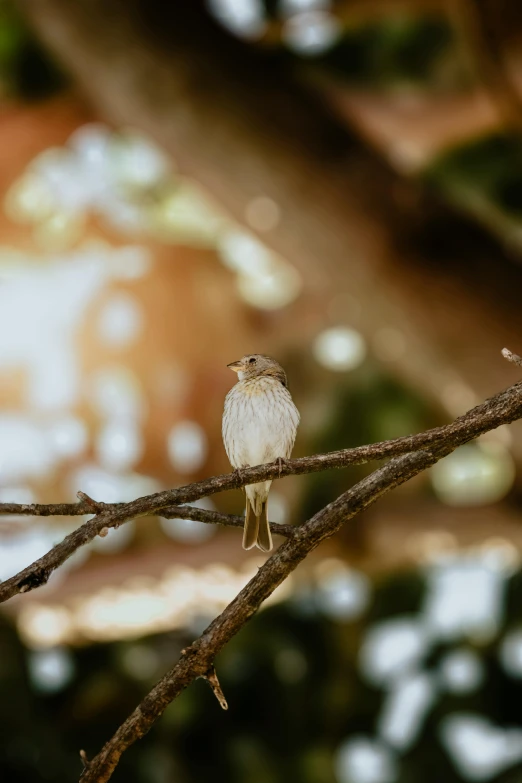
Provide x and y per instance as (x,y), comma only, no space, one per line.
(256,531)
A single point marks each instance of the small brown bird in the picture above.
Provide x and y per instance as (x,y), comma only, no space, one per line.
(259,425)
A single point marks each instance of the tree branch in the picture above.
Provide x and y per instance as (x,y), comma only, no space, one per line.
(198,658)
(170,512)
(503,408)
(411,455)
(217,518)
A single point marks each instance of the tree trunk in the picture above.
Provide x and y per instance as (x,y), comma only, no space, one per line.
(372,248)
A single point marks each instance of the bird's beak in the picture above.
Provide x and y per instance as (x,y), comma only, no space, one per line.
(236,366)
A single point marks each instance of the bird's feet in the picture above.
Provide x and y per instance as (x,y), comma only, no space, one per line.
(239,473)
(280,462)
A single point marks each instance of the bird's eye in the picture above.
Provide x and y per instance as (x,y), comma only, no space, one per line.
(252,360)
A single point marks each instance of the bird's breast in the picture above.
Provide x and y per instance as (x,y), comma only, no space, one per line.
(259,423)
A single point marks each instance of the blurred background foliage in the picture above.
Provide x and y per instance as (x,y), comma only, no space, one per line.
(26,70)
(134,266)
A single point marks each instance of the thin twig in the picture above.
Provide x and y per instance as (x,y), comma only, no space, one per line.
(217,518)
(170,512)
(94,505)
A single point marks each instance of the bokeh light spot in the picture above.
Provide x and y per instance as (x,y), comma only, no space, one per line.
(339,349)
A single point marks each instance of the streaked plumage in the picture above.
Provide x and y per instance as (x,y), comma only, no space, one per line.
(259,425)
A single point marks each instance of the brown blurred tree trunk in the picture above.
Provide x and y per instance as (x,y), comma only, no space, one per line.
(236,120)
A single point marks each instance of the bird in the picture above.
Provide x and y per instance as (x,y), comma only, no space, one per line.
(260,423)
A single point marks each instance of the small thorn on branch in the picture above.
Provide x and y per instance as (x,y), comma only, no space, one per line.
(212,679)
(512,357)
(94,504)
(85,761)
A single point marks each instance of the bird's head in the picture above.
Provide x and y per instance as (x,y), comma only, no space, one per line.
(255,365)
